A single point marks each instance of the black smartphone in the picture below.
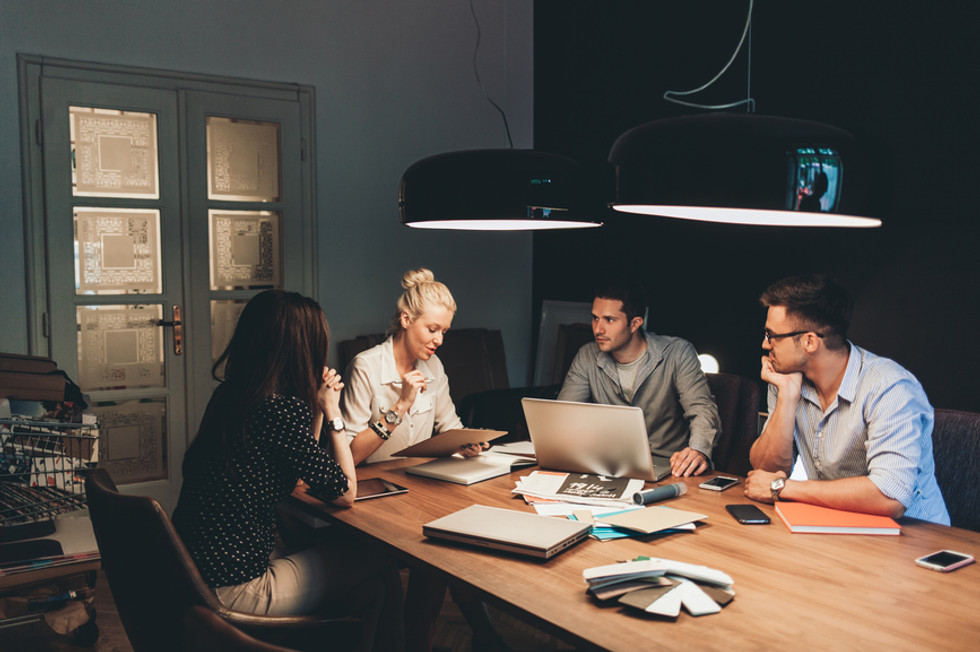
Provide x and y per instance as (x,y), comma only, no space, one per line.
(748,514)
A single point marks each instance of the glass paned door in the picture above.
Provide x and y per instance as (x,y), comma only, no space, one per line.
(113,226)
(249,212)
(159,204)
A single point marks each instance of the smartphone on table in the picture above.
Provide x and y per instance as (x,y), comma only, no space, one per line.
(945,560)
(748,514)
(718,483)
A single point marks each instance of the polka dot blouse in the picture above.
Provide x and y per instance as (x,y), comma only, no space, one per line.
(226,512)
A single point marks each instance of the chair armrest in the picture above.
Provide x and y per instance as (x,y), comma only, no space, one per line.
(298,632)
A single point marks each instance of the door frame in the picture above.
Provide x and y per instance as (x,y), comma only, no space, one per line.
(31,70)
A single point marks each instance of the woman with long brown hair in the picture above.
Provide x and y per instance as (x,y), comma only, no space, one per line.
(259,436)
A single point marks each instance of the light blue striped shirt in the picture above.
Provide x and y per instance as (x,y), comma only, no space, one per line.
(879,426)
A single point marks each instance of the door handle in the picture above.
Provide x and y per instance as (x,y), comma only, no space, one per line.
(178,330)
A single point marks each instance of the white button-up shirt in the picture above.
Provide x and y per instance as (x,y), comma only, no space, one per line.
(372,386)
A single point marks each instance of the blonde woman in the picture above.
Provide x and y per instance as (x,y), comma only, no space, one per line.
(396,394)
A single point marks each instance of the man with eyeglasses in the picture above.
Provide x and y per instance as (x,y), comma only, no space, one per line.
(626,365)
(861,424)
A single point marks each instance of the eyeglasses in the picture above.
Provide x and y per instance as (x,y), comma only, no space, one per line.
(770,336)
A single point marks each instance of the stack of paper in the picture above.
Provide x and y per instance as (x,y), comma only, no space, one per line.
(638,521)
(662,586)
(579,488)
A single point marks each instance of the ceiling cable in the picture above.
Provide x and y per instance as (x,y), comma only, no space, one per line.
(476,73)
(749,102)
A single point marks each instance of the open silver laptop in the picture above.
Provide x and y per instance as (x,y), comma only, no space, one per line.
(508,530)
(592,438)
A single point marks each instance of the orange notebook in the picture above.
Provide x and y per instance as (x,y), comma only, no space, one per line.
(814,519)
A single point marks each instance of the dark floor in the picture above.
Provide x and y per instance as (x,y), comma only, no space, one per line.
(451,633)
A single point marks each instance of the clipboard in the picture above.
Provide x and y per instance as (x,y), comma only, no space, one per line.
(449,442)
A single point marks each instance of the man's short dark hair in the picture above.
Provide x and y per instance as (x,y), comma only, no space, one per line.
(631,293)
(817,301)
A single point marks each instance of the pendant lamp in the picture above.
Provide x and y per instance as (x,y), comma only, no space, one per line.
(742,169)
(493,190)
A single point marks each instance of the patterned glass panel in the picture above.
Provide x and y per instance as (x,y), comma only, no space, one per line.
(120,347)
(245,251)
(224,318)
(113,153)
(132,439)
(117,251)
(243,160)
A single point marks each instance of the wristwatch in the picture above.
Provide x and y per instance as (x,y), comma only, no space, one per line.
(391,417)
(775,487)
(336,424)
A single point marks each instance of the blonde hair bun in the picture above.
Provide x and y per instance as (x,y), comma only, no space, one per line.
(422,291)
(415,277)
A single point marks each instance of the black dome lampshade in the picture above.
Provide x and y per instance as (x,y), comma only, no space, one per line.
(493,190)
(743,169)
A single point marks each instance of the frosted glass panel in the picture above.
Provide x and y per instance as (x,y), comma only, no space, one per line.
(113,153)
(132,439)
(245,251)
(243,160)
(224,318)
(120,347)
(117,251)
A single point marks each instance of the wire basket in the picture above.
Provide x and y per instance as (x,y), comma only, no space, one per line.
(42,465)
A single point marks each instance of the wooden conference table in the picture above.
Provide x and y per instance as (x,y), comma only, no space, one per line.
(792,590)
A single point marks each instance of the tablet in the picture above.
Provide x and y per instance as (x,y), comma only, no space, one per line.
(376,488)
(449,442)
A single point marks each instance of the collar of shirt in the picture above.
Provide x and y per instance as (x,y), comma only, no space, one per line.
(654,354)
(848,384)
(389,374)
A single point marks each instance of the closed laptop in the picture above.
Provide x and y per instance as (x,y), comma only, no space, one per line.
(509,530)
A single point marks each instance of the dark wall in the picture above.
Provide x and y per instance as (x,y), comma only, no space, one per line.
(901,76)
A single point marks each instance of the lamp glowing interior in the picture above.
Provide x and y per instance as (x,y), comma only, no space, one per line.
(750,216)
(502,225)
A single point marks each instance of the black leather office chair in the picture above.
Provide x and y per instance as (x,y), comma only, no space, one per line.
(154,580)
(738,406)
(956,450)
(501,409)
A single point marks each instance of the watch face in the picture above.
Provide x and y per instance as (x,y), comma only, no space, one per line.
(391,416)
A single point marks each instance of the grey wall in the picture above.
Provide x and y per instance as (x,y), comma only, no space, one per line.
(394,83)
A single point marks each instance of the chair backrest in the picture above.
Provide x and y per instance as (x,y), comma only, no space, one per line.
(501,409)
(473,357)
(571,338)
(956,450)
(151,574)
(737,398)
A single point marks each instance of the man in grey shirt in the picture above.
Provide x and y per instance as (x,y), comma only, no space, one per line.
(626,365)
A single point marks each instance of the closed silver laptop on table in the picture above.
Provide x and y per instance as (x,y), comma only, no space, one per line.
(595,438)
(508,530)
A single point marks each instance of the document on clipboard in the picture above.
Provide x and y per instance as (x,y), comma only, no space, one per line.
(449,442)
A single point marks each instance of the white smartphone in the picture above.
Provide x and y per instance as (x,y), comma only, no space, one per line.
(719,483)
(945,560)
